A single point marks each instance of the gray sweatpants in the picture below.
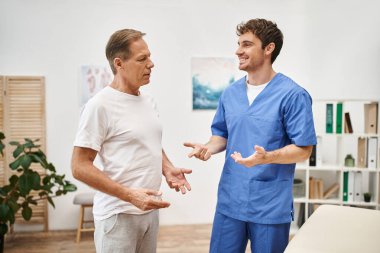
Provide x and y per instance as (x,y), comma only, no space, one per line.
(127,233)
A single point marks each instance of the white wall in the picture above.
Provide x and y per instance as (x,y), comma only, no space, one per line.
(332,48)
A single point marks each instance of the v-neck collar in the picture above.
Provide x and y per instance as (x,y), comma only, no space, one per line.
(243,89)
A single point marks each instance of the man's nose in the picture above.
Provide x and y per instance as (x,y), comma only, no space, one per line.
(238,51)
(151,64)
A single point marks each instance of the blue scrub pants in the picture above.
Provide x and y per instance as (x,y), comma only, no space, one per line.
(231,236)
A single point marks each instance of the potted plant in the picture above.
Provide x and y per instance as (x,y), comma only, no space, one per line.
(16,196)
(367,197)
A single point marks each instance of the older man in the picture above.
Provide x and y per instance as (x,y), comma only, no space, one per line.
(120,126)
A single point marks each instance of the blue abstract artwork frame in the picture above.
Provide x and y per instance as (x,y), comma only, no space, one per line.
(210,76)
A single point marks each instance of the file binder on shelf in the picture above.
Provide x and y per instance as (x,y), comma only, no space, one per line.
(358,194)
(372,153)
(370,118)
(362,152)
(345,186)
(329,118)
(347,123)
(351,186)
(365,182)
(339,117)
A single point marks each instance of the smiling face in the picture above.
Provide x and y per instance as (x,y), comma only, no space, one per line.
(136,69)
(250,53)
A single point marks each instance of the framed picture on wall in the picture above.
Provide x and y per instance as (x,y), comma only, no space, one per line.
(93,79)
(210,76)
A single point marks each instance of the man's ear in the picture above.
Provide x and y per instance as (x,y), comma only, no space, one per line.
(269,48)
(118,63)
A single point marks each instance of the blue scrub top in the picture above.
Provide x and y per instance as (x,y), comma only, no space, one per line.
(280,115)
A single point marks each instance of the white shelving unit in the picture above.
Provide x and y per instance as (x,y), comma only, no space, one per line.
(334,147)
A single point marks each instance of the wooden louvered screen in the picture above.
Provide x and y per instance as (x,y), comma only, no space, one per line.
(24,117)
(2,159)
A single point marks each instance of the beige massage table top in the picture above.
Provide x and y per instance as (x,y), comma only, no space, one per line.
(338,229)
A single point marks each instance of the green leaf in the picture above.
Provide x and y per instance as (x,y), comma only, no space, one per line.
(13,180)
(46,180)
(11,217)
(58,193)
(15,164)
(18,151)
(14,143)
(41,154)
(26,161)
(51,201)
(28,140)
(2,136)
(69,187)
(35,180)
(2,146)
(50,167)
(42,193)
(30,200)
(7,188)
(37,158)
(3,228)
(25,184)
(15,195)
(13,205)
(29,145)
(4,210)
(47,187)
(26,213)
(58,179)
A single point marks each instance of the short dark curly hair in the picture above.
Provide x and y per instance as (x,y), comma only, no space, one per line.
(267,31)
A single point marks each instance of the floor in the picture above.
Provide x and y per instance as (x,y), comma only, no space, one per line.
(172,239)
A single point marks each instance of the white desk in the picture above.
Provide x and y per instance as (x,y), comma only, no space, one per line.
(338,229)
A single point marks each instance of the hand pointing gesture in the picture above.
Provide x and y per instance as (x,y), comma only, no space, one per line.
(200,151)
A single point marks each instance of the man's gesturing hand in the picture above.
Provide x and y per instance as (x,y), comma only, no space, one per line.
(176,179)
(146,199)
(258,157)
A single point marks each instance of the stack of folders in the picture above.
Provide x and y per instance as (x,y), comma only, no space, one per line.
(338,119)
(368,156)
(355,184)
(370,118)
(368,152)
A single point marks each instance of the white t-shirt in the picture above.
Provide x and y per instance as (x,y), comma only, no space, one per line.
(126,132)
(254,90)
